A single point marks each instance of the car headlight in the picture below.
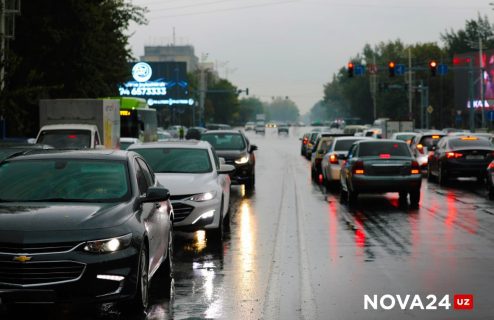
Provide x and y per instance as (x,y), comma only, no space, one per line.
(203,196)
(242,160)
(108,245)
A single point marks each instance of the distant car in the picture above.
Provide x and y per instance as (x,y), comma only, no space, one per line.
(175,131)
(260,127)
(404,136)
(195,133)
(460,156)
(353,129)
(422,145)
(199,184)
(334,158)
(379,166)
(320,148)
(303,144)
(236,149)
(490,180)
(283,128)
(125,142)
(218,126)
(83,226)
(250,126)
(164,136)
(271,125)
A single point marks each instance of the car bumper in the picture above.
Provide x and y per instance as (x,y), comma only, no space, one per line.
(242,173)
(380,184)
(82,286)
(459,168)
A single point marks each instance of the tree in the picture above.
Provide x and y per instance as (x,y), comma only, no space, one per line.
(248,108)
(66,49)
(283,109)
(222,102)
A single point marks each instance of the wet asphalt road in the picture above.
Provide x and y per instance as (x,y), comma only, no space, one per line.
(295,252)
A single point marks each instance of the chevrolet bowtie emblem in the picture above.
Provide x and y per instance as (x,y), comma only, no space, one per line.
(22,258)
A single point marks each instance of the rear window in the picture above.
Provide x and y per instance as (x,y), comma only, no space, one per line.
(66,139)
(461,143)
(396,149)
(225,141)
(428,141)
(344,145)
(176,160)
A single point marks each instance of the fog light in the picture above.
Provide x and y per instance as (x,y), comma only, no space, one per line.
(110,277)
(205,215)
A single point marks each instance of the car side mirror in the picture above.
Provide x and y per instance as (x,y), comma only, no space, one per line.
(156,194)
(226,169)
(253,147)
(222,160)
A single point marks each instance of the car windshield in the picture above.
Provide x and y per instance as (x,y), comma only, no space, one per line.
(61,180)
(429,141)
(177,160)
(344,145)
(371,149)
(66,139)
(404,137)
(225,141)
(470,142)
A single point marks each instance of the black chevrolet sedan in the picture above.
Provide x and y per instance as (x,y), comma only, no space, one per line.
(82,226)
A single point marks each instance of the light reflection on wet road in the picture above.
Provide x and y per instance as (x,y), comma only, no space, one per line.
(295,252)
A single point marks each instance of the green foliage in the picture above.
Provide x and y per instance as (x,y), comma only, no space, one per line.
(248,108)
(283,109)
(66,49)
(222,102)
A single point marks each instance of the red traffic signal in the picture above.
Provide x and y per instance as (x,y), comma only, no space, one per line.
(350,69)
(433,68)
(391,68)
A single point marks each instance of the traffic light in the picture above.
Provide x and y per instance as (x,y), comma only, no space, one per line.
(433,68)
(391,67)
(350,69)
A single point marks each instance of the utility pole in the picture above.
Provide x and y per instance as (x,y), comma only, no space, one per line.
(470,95)
(202,94)
(410,85)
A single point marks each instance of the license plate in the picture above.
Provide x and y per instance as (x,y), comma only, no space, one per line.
(474,157)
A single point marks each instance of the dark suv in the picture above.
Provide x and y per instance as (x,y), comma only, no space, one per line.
(236,149)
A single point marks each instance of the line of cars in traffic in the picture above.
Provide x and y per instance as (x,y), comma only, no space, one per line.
(98,225)
(360,164)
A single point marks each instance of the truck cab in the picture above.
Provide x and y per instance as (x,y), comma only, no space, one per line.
(70,136)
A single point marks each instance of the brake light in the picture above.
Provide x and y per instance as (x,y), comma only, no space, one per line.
(333,159)
(384,156)
(305,140)
(453,155)
(72,136)
(358,167)
(469,138)
(436,137)
(491,165)
(420,148)
(415,167)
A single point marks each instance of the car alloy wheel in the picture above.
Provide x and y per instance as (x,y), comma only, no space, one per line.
(141,298)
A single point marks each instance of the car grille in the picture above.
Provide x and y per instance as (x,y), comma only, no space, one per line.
(36,273)
(181,211)
(37,248)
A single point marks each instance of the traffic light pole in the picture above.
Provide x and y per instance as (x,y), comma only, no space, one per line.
(470,96)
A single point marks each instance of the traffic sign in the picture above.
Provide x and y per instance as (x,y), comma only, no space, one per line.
(359,70)
(442,69)
(400,69)
(430,109)
(372,68)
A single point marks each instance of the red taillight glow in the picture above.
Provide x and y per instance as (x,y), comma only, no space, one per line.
(415,168)
(384,156)
(305,140)
(72,136)
(333,159)
(358,167)
(491,165)
(453,155)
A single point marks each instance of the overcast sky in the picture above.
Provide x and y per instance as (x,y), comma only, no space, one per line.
(292,48)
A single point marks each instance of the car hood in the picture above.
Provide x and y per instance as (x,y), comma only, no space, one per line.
(230,154)
(187,183)
(44,216)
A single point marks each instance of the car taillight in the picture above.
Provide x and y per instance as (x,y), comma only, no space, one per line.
(491,165)
(333,159)
(453,155)
(384,156)
(420,148)
(415,168)
(358,167)
(305,140)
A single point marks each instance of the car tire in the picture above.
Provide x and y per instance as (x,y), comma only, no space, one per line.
(415,198)
(351,196)
(251,183)
(216,235)
(441,176)
(430,177)
(141,298)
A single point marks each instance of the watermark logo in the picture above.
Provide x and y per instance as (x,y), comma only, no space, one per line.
(142,72)
(418,302)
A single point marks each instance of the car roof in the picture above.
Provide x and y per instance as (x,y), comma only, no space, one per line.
(188,144)
(380,141)
(209,132)
(338,138)
(69,126)
(93,154)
